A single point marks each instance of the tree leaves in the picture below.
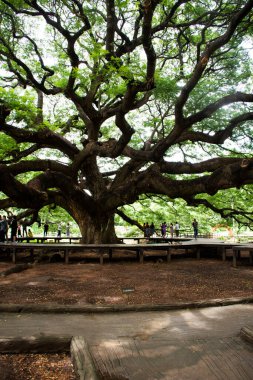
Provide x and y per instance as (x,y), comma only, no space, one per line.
(131,99)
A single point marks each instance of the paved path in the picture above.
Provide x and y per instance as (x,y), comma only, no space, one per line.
(182,344)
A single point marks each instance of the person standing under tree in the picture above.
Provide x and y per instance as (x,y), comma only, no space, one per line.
(68,229)
(177,227)
(19,230)
(4,229)
(147,233)
(24,225)
(14,228)
(152,229)
(171,230)
(163,229)
(46,226)
(195,228)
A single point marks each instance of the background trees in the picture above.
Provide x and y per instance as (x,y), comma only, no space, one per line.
(103,102)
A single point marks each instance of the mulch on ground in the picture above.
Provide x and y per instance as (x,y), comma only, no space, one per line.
(154,282)
(36,367)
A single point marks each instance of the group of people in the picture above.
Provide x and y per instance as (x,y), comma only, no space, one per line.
(11,224)
(149,230)
(59,229)
(19,229)
(173,229)
(6,225)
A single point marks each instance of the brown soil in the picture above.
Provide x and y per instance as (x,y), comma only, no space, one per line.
(120,282)
(154,282)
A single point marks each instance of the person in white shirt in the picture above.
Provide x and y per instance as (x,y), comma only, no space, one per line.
(177,228)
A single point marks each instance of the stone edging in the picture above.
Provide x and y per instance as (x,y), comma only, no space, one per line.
(82,359)
(247,333)
(56,308)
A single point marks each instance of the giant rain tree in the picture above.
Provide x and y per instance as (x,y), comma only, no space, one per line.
(103,101)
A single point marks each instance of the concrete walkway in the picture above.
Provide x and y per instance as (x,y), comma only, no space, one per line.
(181,344)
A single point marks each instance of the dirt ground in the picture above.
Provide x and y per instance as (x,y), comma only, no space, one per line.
(122,281)
(126,282)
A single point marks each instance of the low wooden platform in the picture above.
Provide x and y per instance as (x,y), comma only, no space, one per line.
(238,249)
(107,250)
(70,239)
(43,239)
(157,239)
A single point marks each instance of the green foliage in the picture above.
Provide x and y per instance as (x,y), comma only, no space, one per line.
(122,4)
(55,215)
(26,177)
(7,146)
(165,88)
(22,105)
(159,210)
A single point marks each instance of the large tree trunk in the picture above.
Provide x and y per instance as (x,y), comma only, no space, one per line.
(96,228)
(99,230)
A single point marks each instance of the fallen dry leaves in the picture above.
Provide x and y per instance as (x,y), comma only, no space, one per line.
(36,367)
(153,282)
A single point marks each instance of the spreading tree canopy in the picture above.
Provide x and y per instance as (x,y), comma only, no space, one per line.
(103,101)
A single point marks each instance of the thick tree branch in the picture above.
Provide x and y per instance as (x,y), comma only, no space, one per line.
(213,107)
(45,137)
(23,195)
(38,166)
(196,168)
(129,220)
(234,174)
(225,212)
(211,47)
